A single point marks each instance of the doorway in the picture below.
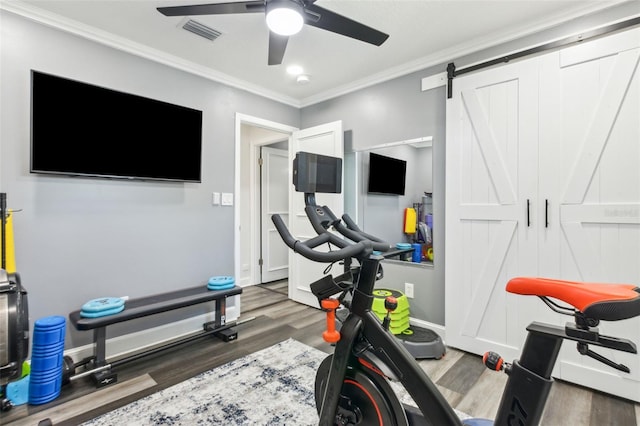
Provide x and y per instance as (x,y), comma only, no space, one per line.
(251,224)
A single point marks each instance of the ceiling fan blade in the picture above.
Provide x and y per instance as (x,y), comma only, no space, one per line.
(325,19)
(277,46)
(214,8)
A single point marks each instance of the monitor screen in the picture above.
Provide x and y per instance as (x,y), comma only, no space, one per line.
(84,130)
(386,175)
(317,173)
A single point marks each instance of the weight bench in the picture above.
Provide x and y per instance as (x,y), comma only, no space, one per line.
(150,305)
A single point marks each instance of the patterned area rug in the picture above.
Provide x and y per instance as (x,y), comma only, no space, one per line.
(274,386)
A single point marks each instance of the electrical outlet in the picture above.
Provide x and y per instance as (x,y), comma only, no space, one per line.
(408,290)
(215,198)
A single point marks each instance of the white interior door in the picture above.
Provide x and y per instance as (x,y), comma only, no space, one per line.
(559,133)
(325,139)
(274,199)
(491,184)
(593,133)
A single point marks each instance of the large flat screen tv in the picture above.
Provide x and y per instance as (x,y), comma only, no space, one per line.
(84,130)
(386,175)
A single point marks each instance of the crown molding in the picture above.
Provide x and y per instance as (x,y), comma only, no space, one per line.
(120,43)
(439,58)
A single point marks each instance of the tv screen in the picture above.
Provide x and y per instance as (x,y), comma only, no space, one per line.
(84,130)
(386,175)
(317,173)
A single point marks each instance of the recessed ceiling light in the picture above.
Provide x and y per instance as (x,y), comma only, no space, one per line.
(303,79)
(295,70)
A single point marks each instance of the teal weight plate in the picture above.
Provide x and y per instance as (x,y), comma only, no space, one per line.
(103,304)
(221,281)
(102,313)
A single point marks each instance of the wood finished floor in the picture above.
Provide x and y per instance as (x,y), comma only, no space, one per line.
(461,377)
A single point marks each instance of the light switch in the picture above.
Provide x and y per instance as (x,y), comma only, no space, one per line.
(227,199)
(215,199)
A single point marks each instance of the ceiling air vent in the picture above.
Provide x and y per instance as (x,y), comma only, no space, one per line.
(201,30)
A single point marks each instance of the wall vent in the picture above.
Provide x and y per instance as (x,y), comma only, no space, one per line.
(201,30)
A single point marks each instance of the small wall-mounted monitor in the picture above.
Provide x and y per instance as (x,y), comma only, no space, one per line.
(387,175)
(317,173)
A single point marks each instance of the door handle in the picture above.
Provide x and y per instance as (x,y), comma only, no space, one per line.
(546,213)
(528,216)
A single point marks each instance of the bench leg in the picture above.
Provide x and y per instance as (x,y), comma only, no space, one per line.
(100,346)
(106,376)
(227,334)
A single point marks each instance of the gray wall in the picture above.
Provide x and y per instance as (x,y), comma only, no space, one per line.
(399,110)
(78,238)
(394,111)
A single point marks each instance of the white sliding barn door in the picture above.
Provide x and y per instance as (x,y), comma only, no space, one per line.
(491,170)
(591,135)
(543,179)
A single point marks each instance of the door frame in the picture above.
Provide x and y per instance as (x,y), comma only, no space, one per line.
(240,168)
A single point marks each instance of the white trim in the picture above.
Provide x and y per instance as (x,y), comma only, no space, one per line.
(74,27)
(433,81)
(120,43)
(265,124)
(459,51)
(423,142)
(577,34)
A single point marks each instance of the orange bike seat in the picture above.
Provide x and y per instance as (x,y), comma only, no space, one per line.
(600,301)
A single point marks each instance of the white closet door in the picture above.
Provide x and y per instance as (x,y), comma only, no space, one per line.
(576,159)
(591,130)
(491,177)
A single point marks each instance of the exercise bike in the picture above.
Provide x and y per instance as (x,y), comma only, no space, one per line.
(352,385)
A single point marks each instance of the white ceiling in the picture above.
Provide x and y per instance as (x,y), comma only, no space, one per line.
(422,33)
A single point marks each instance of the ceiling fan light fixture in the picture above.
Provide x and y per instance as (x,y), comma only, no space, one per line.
(284,17)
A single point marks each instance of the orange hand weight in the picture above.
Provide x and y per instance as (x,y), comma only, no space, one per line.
(331,335)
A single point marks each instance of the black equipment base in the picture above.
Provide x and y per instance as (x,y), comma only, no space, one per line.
(423,343)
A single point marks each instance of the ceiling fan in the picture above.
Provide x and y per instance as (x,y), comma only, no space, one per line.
(292,13)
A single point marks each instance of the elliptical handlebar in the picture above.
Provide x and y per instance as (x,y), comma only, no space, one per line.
(306,248)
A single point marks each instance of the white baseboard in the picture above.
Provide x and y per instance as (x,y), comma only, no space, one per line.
(127,344)
(244,282)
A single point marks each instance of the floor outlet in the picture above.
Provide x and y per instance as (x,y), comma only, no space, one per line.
(408,290)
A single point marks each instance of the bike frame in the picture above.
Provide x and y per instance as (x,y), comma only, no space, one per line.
(363,322)
(528,386)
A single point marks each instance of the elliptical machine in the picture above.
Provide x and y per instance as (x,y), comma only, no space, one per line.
(14,318)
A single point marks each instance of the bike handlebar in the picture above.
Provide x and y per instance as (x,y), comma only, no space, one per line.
(306,248)
(354,233)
